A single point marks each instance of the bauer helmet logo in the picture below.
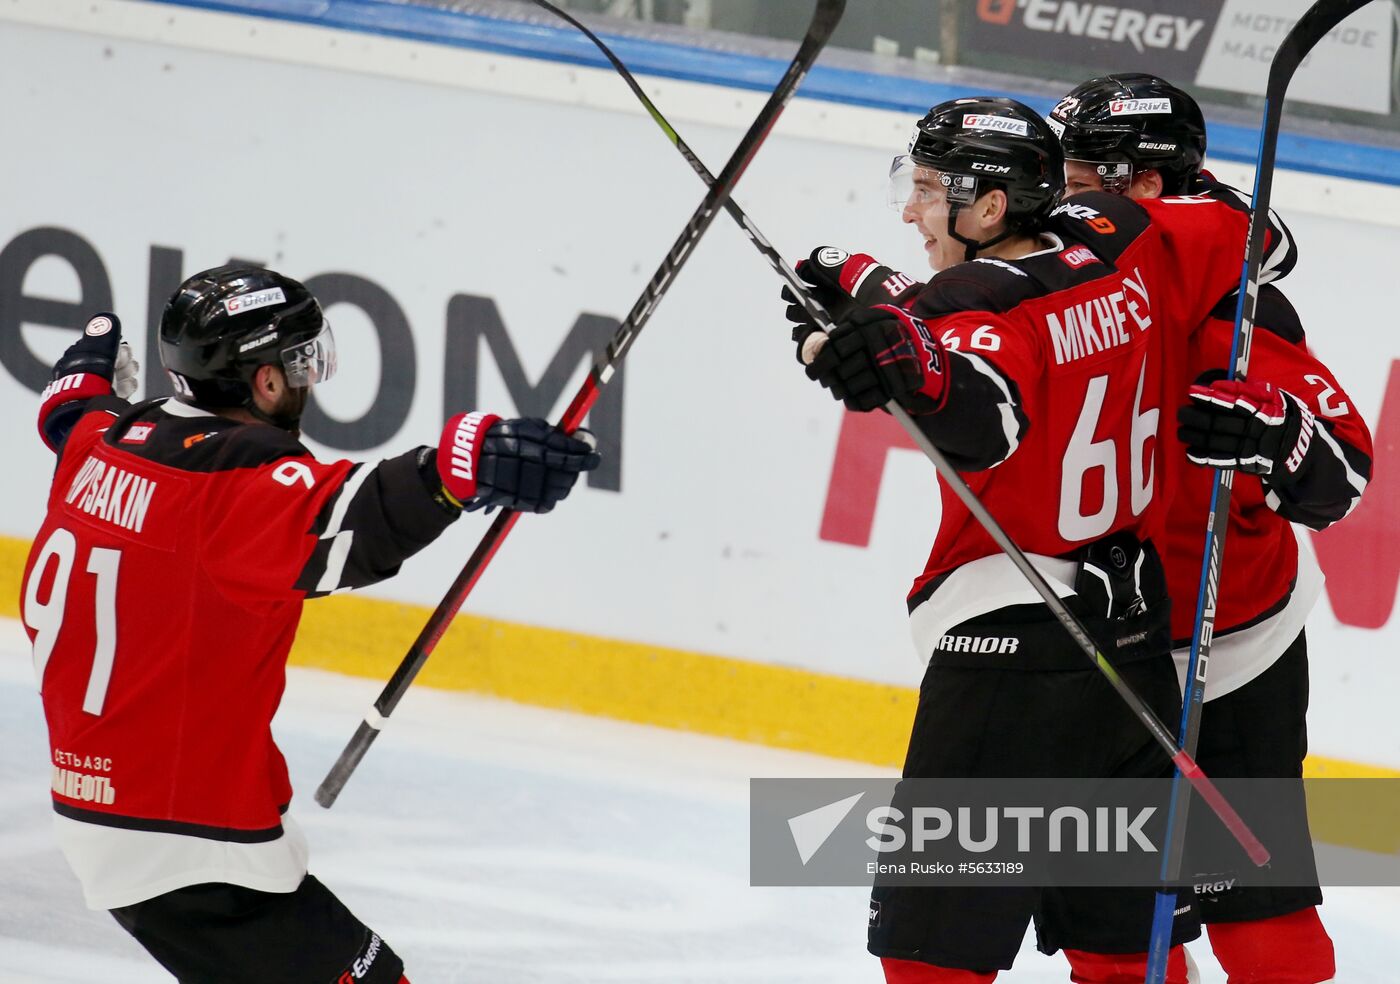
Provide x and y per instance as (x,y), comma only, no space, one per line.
(257,299)
(99,325)
(258,342)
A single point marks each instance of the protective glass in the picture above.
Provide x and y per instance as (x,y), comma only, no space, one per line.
(1117,176)
(311,361)
(960,189)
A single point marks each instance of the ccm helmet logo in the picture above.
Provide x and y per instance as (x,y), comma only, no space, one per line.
(992,168)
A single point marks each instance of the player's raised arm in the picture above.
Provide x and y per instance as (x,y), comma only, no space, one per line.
(99,364)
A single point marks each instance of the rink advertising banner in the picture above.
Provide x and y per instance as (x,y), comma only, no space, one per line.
(1066,832)
(1349,69)
(1098,36)
(1221,44)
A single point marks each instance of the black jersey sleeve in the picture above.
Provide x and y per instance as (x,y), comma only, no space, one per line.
(379,517)
(983,420)
(1280,251)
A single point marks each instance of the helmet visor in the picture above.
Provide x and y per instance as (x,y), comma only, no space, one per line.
(1115,176)
(311,361)
(917,185)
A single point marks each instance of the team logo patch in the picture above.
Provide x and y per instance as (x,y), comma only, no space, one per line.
(1079,256)
(1001,124)
(1139,107)
(137,434)
(98,326)
(258,299)
(831,256)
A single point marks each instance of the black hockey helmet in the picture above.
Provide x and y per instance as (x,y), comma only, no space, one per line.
(223,323)
(981,144)
(1130,123)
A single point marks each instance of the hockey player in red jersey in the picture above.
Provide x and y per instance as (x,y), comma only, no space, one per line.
(162,596)
(1038,359)
(1306,457)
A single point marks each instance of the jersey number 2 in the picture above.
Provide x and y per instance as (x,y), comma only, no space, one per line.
(46,618)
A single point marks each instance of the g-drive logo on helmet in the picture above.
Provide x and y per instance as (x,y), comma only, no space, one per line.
(1002,124)
(257,299)
(1139,107)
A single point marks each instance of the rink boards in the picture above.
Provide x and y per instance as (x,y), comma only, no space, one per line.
(477,221)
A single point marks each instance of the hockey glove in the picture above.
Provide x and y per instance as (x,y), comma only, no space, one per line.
(842,282)
(883,353)
(1250,426)
(522,464)
(97,364)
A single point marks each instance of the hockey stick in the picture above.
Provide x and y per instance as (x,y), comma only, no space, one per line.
(1072,624)
(1311,28)
(824,20)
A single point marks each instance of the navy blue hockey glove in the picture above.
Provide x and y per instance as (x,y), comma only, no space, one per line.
(529,465)
(523,464)
(842,282)
(1249,426)
(880,354)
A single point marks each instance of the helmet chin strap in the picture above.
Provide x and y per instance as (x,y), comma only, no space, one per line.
(971,247)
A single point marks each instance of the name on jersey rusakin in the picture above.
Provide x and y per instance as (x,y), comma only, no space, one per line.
(1100,323)
(111,494)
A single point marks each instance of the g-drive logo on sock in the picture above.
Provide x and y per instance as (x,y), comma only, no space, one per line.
(812,829)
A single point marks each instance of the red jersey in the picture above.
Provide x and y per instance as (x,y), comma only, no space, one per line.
(1062,363)
(162,595)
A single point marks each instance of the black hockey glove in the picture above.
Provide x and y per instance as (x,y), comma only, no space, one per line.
(101,352)
(883,353)
(1250,426)
(842,282)
(97,364)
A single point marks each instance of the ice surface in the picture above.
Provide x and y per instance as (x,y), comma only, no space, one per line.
(491,842)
